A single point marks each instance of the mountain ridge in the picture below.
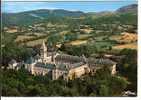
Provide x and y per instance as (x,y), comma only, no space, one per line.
(129,8)
(41,14)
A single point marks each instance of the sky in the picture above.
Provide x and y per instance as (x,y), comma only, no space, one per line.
(93,6)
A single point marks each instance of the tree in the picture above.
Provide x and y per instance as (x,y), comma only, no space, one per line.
(103,73)
(14,51)
(54,39)
(104,90)
(128,67)
(117,85)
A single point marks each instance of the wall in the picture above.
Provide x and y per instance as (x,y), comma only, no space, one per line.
(77,72)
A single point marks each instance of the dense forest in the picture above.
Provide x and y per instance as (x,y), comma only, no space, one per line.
(21,83)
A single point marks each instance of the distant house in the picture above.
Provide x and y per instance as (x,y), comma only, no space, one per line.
(13,64)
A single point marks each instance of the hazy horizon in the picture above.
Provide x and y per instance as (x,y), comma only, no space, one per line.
(93,6)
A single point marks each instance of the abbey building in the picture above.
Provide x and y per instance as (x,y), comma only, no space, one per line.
(59,65)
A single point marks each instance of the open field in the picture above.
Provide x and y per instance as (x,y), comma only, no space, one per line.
(125,37)
(128,46)
(12,30)
(38,34)
(115,37)
(23,37)
(78,42)
(35,42)
(64,32)
(84,36)
(82,39)
(86,30)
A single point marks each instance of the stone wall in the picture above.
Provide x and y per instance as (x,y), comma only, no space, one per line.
(56,73)
(77,72)
(40,71)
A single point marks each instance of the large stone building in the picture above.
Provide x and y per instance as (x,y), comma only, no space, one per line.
(62,65)
(58,65)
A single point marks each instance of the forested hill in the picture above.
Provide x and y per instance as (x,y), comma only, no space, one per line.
(130,8)
(35,16)
(29,17)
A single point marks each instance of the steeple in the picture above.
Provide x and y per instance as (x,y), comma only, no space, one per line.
(85,59)
(43,51)
(43,47)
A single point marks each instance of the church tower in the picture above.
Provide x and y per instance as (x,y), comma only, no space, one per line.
(43,52)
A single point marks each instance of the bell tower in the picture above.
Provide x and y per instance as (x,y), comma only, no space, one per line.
(43,52)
